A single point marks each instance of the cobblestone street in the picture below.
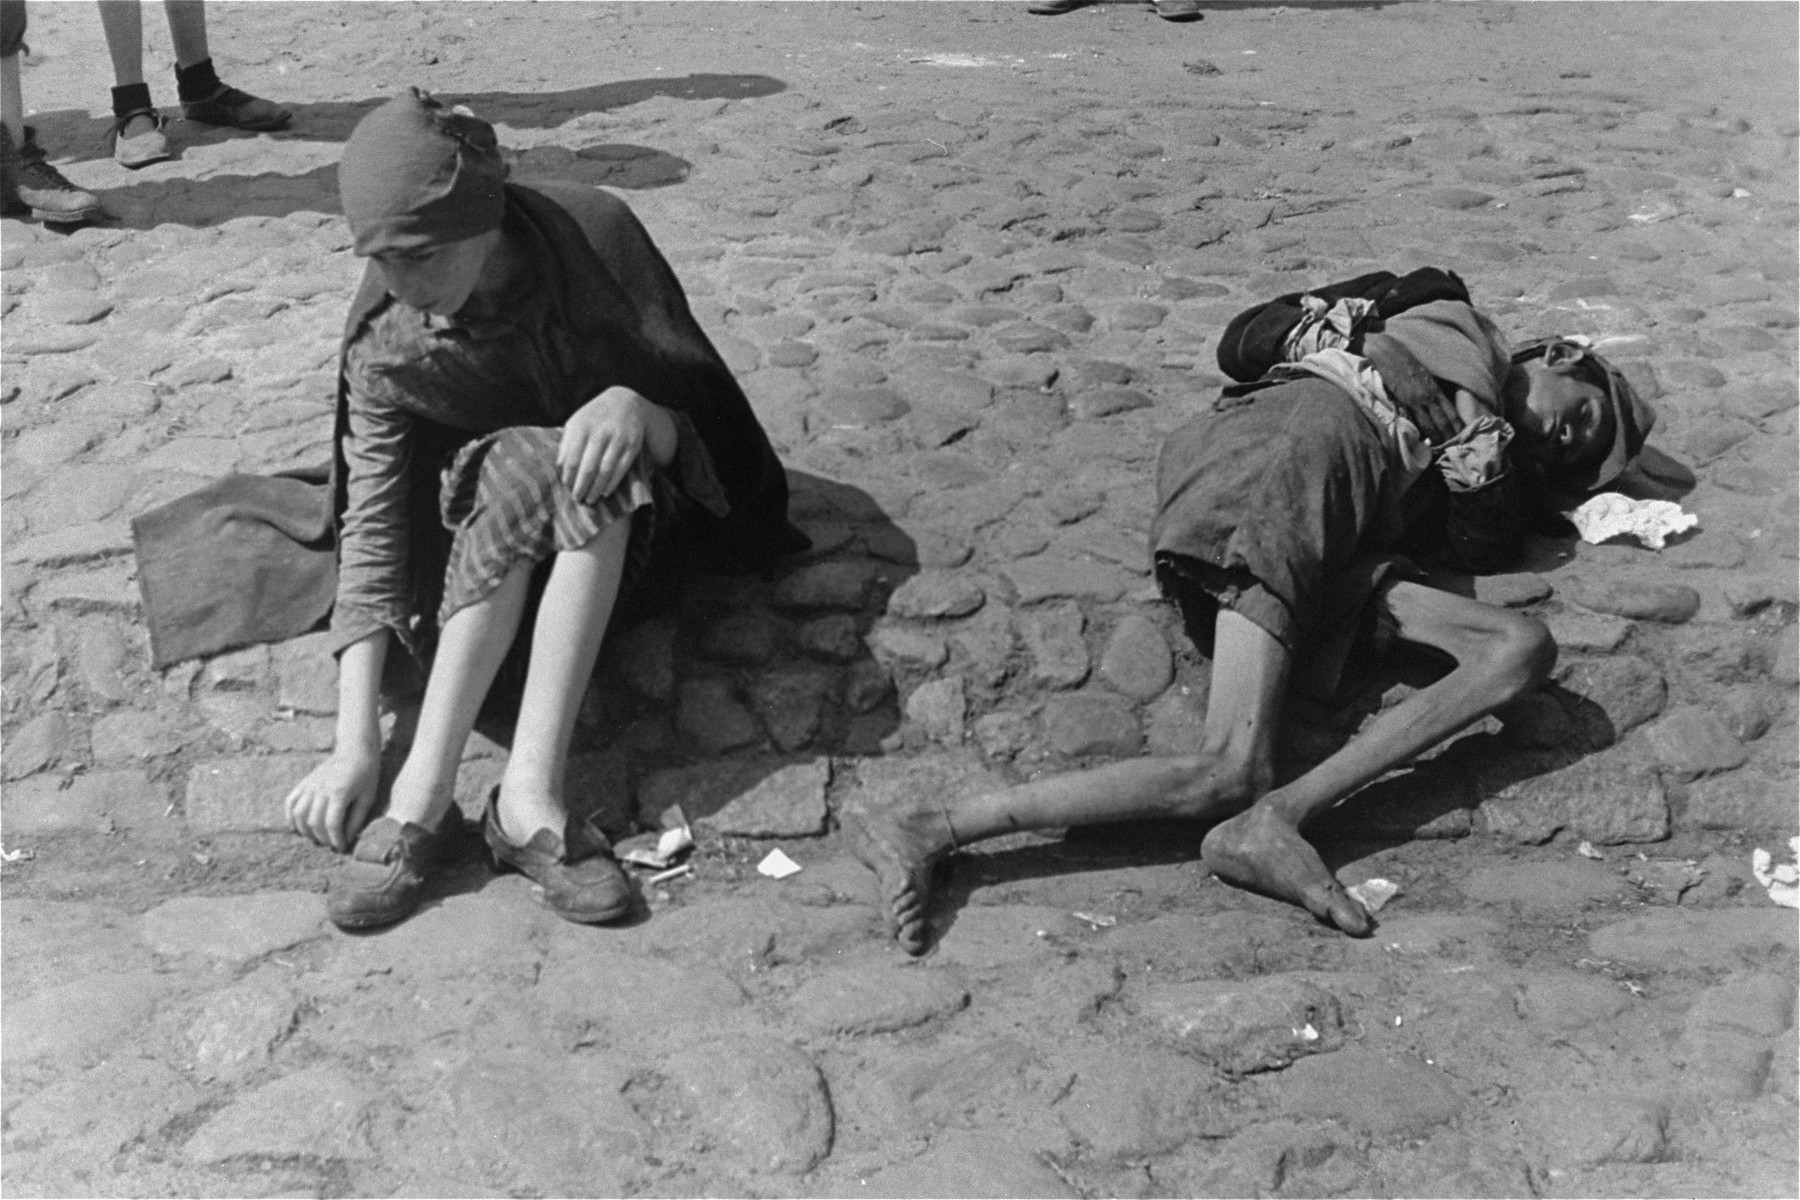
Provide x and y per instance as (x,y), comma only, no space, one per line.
(970,265)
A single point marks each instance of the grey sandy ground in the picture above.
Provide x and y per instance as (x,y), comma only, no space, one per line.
(970,265)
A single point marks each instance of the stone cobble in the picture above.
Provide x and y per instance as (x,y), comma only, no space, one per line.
(970,266)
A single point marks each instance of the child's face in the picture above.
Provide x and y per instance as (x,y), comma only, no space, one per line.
(1561,420)
(439,280)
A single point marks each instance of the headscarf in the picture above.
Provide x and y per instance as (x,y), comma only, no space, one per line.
(416,175)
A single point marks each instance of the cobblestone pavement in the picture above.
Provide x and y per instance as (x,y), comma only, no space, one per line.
(970,265)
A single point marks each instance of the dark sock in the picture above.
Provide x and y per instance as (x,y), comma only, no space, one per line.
(196,82)
(133,97)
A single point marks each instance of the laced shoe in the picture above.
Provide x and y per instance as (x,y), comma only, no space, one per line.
(29,184)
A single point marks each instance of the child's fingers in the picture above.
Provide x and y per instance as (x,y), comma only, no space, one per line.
(313,820)
(335,812)
(569,452)
(303,810)
(588,471)
(619,456)
(293,813)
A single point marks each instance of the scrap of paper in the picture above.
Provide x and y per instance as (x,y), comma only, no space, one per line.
(1780,880)
(777,865)
(1611,514)
(675,840)
(1372,894)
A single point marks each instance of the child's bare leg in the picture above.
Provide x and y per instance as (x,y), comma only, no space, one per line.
(12,98)
(571,621)
(1499,656)
(187,30)
(122,21)
(470,650)
(1233,765)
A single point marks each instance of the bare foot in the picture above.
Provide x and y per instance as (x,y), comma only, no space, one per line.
(901,847)
(1258,851)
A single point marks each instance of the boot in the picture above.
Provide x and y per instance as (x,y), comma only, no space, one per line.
(29,184)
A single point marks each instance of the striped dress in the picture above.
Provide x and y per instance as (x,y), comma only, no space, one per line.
(451,479)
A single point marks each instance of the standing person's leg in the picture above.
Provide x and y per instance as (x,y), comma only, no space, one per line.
(12,95)
(1499,656)
(137,137)
(1232,766)
(187,31)
(123,23)
(203,96)
(28,183)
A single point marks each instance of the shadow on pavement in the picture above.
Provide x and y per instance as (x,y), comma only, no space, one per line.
(1543,732)
(219,197)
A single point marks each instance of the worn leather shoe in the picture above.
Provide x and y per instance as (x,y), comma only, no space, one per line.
(238,110)
(382,880)
(581,879)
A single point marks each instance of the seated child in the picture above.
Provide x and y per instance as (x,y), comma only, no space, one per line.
(1403,423)
(529,419)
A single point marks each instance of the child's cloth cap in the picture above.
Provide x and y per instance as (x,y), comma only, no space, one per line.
(416,175)
(1632,418)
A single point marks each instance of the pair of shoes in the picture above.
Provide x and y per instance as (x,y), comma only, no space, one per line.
(29,184)
(137,139)
(381,881)
(1056,8)
(237,110)
(581,879)
(1178,10)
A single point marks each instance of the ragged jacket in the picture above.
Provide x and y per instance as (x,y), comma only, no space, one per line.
(1429,312)
(254,558)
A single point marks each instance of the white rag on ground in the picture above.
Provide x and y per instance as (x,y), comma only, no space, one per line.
(1780,880)
(1611,514)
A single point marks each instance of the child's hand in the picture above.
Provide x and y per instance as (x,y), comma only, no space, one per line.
(1411,387)
(601,441)
(1468,409)
(332,803)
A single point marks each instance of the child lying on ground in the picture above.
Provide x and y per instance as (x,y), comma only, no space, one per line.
(1364,432)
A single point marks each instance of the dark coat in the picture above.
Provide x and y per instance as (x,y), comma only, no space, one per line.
(253,558)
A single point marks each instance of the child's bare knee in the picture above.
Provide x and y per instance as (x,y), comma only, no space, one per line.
(1523,652)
